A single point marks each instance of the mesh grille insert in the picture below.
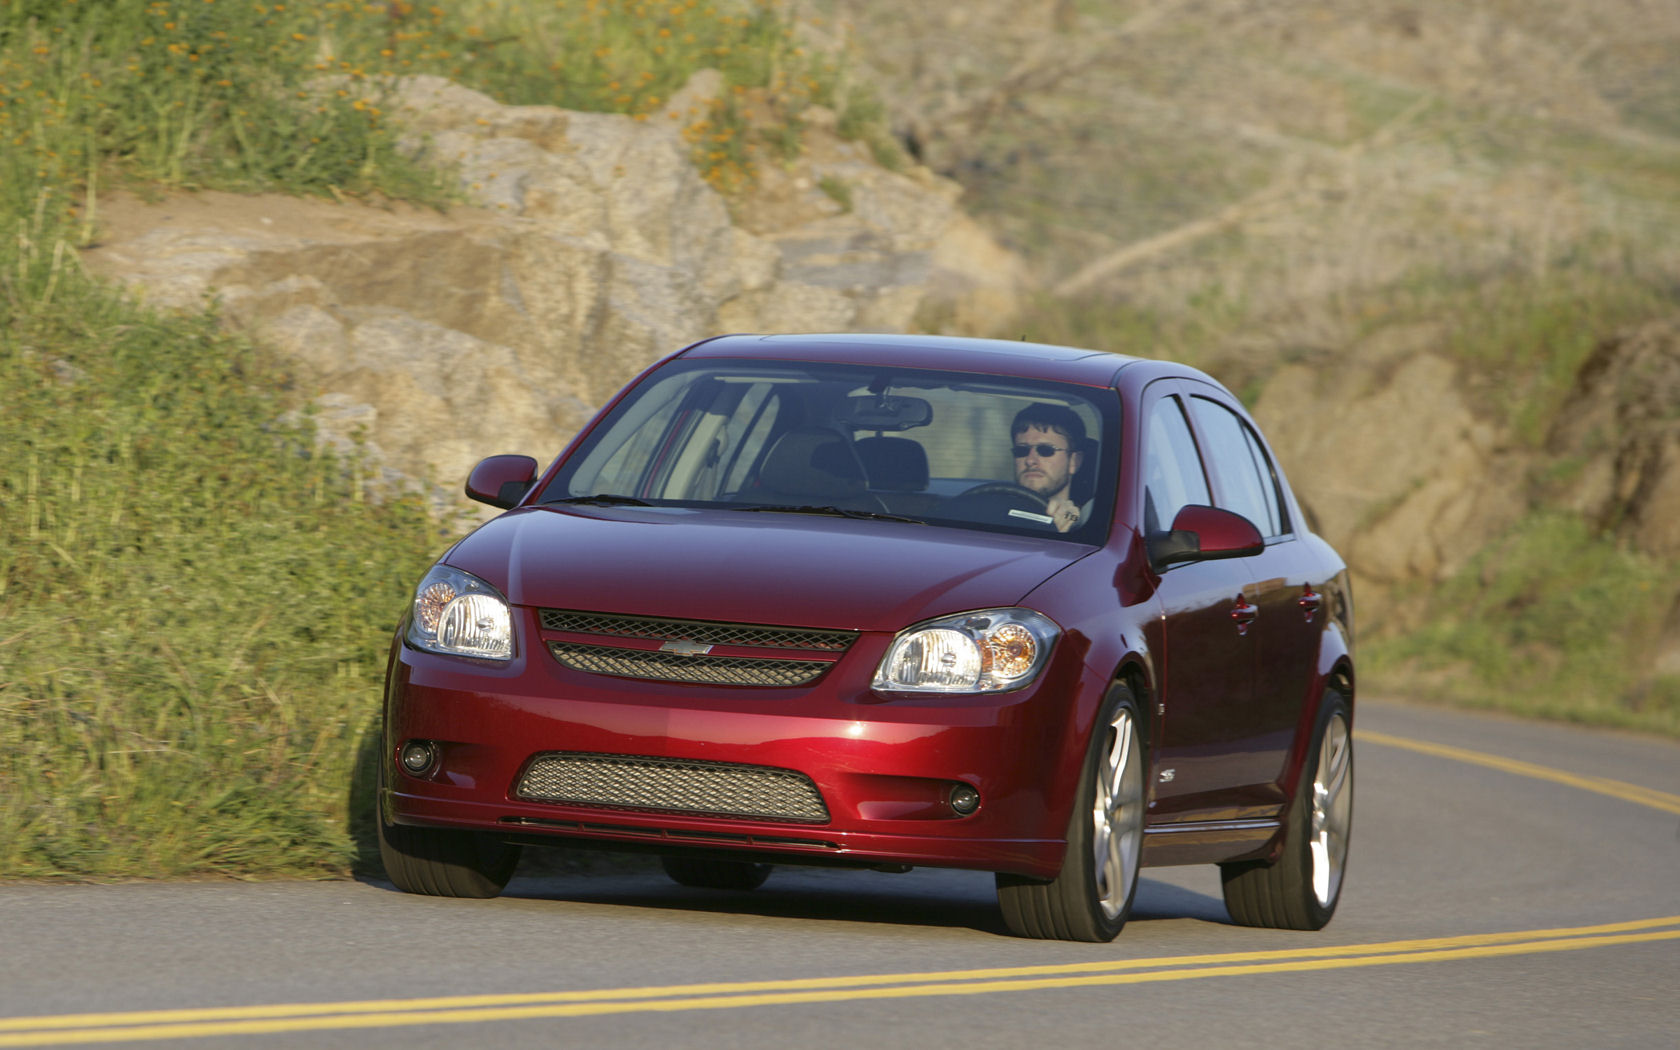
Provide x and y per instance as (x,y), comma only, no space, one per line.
(669,667)
(699,631)
(673,785)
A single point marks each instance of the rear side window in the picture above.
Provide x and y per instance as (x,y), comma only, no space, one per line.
(1247,484)
(1172,469)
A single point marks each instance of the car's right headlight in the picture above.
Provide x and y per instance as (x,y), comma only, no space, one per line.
(459,614)
(989,651)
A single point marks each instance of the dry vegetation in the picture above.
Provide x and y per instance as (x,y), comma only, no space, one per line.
(188,657)
(1260,184)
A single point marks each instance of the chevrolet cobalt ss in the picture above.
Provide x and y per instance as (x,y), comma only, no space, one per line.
(886,601)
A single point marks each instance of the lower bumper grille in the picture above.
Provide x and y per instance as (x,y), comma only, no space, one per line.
(718,789)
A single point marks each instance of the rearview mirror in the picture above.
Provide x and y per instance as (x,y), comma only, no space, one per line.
(886,412)
(1201,533)
(502,481)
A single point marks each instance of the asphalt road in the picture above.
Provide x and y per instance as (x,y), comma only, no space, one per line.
(1510,884)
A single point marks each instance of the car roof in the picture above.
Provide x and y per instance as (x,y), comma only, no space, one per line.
(987,356)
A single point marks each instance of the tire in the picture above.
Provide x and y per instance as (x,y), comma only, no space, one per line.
(707,874)
(1300,890)
(442,862)
(1092,896)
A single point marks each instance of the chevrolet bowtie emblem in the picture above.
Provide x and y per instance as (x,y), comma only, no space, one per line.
(684,647)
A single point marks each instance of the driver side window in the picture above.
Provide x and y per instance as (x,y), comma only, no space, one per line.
(1172,469)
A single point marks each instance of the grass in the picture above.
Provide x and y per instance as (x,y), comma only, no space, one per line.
(190,94)
(837,190)
(196,597)
(241,95)
(1549,621)
(1522,337)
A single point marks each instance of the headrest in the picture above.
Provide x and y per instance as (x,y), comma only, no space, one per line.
(894,464)
(812,463)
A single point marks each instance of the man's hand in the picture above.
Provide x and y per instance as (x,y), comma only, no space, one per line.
(1064,512)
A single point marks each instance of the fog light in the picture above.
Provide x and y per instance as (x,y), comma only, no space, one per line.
(418,756)
(964,799)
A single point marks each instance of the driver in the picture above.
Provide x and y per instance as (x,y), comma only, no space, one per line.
(1048,442)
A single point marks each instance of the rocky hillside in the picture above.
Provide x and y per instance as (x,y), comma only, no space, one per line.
(590,247)
(1433,244)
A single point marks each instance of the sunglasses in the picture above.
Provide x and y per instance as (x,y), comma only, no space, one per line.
(1044,451)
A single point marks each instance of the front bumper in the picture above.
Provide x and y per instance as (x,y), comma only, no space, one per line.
(883,766)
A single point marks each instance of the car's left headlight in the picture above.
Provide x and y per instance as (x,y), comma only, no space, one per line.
(990,651)
(459,614)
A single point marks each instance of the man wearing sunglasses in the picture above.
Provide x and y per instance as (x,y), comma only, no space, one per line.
(1048,442)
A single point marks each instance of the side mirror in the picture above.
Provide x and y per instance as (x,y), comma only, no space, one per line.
(502,481)
(1202,533)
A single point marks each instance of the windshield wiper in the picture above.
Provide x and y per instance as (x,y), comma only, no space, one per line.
(838,512)
(604,499)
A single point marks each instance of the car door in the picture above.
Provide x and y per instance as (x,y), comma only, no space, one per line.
(1205,657)
(1282,591)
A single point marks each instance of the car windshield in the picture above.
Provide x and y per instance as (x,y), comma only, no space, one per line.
(939,448)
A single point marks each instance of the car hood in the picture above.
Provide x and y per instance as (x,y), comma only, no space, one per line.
(796,570)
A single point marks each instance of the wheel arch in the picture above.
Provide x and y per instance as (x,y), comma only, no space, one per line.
(1134,674)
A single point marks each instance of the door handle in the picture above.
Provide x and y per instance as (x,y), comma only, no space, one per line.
(1309,601)
(1244,613)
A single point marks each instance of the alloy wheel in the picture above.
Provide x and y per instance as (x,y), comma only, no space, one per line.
(1117,814)
(1332,811)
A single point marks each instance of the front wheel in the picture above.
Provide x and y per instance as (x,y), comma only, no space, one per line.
(444,862)
(1299,890)
(1092,896)
(708,874)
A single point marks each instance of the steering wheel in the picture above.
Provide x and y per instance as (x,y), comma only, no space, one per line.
(1005,488)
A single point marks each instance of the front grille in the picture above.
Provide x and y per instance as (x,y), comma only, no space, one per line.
(703,632)
(695,651)
(707,670)
(719,789)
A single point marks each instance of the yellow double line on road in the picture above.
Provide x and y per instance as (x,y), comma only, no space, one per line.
(475,1009)
(133,1026)
(1644,796)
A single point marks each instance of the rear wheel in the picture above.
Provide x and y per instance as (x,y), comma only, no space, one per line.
(443,862)
(707,874)
(1299,890)
(1091,898)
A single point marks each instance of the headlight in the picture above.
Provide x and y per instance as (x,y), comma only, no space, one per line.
(459,614)
(990,651)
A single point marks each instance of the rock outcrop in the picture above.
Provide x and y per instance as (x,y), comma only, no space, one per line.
(1616,445)
(1409,481)
(591,247)
(1397,469)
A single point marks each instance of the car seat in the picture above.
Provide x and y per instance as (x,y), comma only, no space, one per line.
(817,466)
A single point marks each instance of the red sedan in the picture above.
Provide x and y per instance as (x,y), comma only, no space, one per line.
(886,601)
